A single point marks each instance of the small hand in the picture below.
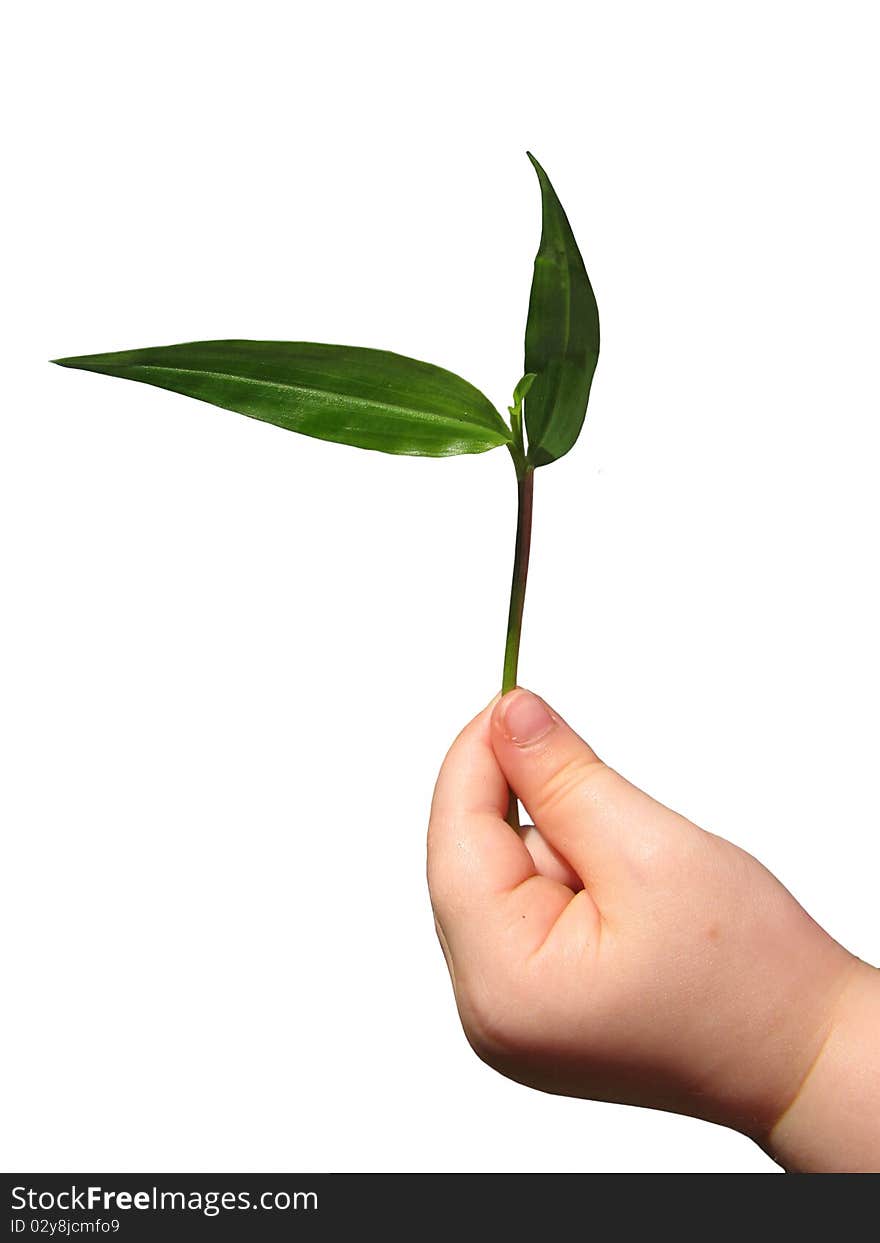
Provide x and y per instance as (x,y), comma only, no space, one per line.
(616,951)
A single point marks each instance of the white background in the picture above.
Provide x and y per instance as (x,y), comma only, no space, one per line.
(233,658)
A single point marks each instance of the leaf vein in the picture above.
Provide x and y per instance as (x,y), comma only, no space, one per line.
(330,395)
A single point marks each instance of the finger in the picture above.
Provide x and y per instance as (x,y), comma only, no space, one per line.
(486,891)
(473,854)
(549,862)
(588,813)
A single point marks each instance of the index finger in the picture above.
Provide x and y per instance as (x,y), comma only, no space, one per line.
(473,853)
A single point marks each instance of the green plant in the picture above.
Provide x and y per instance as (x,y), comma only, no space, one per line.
(377,400)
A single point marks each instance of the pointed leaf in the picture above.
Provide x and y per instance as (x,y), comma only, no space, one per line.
(562,335)
(522,389)
(369,398)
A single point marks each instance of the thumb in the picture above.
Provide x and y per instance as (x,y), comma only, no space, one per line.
(590,814)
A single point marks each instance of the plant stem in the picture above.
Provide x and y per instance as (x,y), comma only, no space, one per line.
(525,478)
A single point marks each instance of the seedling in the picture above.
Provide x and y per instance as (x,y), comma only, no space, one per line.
(378,400)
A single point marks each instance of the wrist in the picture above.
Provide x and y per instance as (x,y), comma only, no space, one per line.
(833,1123)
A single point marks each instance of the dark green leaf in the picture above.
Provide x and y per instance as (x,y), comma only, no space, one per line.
(369,398)
(562,335)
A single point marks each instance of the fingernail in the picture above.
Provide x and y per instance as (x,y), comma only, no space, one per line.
(524,717)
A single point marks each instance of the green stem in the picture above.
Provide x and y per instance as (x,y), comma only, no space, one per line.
(525,478)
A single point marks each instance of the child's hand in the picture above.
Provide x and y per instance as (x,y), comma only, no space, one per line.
(618,952)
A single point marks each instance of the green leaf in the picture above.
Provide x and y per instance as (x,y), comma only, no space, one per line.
(562,335)
(369,398)
(521,391)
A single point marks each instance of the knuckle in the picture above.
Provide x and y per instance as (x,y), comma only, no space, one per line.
(441,863)
(570,784)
